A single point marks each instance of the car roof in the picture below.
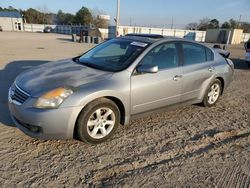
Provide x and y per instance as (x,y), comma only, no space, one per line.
(139,39)
(151,38)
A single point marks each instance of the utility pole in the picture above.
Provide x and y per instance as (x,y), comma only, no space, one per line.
(172,23)
(117,18)
(239,22)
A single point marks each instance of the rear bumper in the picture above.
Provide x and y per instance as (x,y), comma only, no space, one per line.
(45,124)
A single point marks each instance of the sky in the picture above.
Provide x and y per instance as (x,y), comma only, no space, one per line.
(155,13)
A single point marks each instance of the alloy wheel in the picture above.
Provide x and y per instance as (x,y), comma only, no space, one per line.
(100,123)
(213,93)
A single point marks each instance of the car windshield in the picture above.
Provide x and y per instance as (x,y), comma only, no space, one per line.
(113,55)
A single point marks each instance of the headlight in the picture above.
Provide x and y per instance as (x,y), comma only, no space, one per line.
(53,98)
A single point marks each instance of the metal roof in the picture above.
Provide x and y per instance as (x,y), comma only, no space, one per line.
(141,39)
(10,14)
(152,36)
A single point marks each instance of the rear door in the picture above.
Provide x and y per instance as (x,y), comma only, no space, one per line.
(154,90)
(197,69)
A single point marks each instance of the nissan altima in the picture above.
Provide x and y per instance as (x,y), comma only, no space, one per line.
(89,96)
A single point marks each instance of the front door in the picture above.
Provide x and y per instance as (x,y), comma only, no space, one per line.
(155,90)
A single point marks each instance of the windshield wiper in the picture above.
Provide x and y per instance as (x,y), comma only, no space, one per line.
(94,66)
(91,65)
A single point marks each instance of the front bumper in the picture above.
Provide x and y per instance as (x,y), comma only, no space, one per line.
(45,124)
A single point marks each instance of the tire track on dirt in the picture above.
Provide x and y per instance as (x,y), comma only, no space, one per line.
(236,176)
(172,157)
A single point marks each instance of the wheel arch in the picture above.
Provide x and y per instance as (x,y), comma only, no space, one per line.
(117,101)
(222,83)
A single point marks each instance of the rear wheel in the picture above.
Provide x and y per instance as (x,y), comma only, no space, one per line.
(98,121)
(212,94)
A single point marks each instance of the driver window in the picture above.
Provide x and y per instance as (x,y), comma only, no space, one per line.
(164,56)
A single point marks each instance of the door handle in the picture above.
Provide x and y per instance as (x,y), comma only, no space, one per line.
(211,69)
(177,77)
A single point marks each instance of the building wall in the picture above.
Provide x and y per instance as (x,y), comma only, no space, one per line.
(188,34)
(36,27)
(11,24)
(212,35)
(245,37)
(236,37)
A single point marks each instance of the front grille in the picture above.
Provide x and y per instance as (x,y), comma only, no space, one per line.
(18,95)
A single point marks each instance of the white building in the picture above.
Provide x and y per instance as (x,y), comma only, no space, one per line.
(11,21)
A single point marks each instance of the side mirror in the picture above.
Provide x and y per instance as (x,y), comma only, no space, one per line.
(147,68)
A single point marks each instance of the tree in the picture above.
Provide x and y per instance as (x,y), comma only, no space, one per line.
(245,26)
(10,8)
(214,24)
(64,18)
(36,17)
(204,24)
(97,21)
(69,19)
(60,17)
(192,26)
(226,25)
(83,17)
(233,23)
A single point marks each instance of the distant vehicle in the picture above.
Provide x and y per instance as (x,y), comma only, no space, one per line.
(1,29)
(48,29)
(89,96)
(247,48)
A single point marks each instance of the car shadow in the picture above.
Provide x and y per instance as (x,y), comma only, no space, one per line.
(65,39)
(7,77)
(240,64)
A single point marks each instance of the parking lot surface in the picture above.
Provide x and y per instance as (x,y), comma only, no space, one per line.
(191,146)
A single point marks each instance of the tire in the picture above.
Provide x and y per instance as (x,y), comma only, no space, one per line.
(211,93)
(98,121)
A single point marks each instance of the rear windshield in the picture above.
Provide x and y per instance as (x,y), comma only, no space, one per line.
(113,55)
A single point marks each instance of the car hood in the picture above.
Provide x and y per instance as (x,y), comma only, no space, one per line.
(64,73)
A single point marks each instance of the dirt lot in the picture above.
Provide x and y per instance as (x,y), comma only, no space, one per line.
(188,147)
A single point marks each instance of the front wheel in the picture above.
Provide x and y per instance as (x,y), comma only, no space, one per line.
(98,121)
(212,94)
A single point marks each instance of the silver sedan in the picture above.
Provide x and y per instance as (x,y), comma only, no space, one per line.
(89,96)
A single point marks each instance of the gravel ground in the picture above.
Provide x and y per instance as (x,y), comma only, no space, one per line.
(187,147)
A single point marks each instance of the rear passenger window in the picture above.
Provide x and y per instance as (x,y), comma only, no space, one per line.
(193,53)
(210,54)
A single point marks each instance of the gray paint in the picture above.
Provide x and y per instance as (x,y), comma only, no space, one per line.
(138,92)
